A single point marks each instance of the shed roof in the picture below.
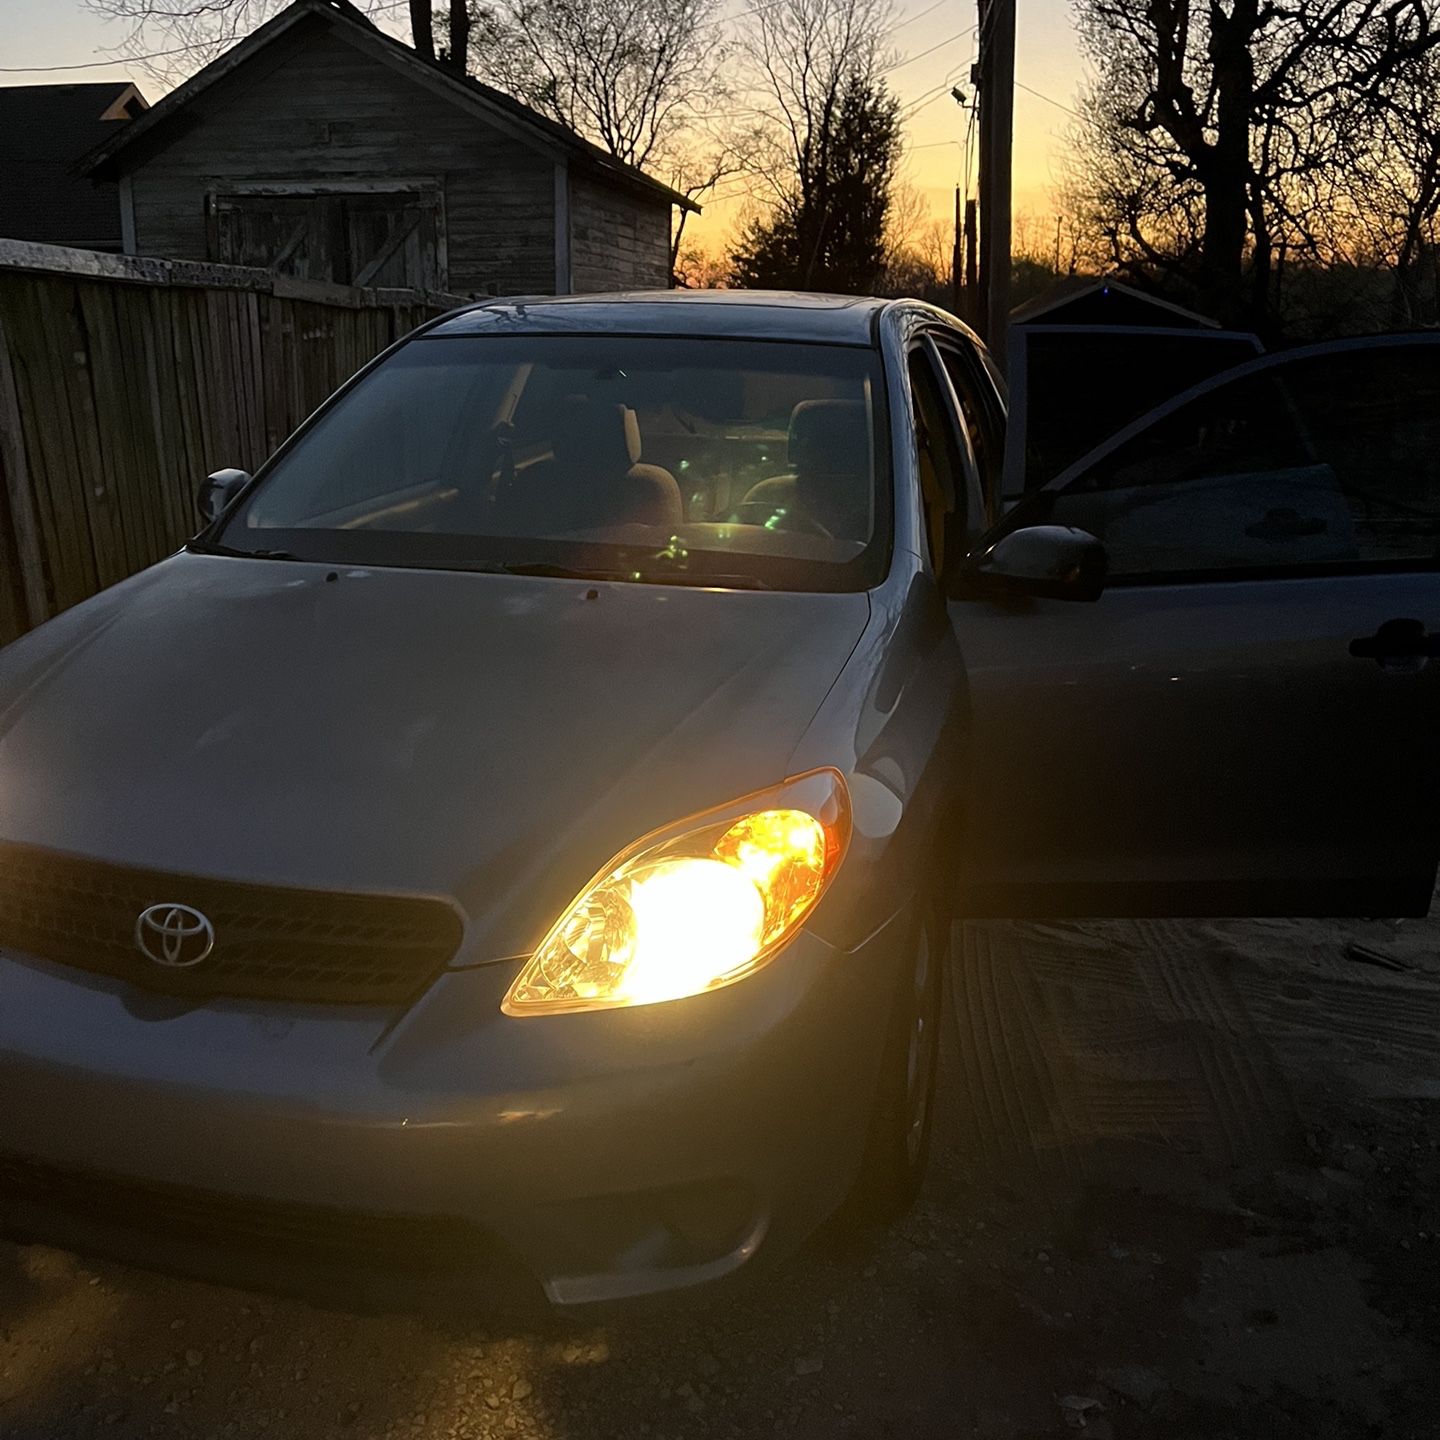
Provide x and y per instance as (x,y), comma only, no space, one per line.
(481,100)
(1100,300)
(46,129)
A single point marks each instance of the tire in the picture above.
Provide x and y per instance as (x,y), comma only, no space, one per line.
(897,1146)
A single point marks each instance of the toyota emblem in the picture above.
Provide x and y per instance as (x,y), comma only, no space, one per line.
(174,935)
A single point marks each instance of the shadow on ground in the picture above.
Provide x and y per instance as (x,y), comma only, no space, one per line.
(1182,1188)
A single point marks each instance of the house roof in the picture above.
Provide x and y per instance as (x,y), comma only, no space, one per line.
(44,130)
(1085,300)
(481,100)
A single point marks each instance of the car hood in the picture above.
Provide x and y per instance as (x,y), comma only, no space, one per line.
(491,739)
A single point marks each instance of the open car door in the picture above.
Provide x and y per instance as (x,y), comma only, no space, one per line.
(1247,720)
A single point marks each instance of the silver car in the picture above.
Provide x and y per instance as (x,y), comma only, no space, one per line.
(523,829)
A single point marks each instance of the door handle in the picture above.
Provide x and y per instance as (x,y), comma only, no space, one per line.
(1397,640)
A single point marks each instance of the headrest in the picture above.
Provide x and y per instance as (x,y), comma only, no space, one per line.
(830,454)
(829,437)
(595,435)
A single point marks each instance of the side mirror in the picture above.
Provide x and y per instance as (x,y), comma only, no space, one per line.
(217,491)
(1055,562)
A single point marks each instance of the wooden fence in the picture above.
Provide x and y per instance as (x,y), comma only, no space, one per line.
(125,381)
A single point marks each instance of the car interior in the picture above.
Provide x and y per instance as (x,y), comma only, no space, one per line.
(780,461)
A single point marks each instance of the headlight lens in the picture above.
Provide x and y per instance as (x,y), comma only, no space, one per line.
(693,907)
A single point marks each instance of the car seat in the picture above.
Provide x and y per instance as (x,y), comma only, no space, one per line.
(593,479)
(830,483)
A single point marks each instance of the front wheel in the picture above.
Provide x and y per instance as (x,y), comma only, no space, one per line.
(897,1147)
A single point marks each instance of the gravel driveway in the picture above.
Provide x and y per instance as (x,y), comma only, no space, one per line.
(1184,1186)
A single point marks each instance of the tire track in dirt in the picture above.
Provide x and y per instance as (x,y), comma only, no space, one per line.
(1396,1014)
(1190,976)
(1084,959)
(1133,1032)
(1014,1117)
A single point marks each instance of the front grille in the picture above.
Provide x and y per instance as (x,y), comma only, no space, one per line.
(320,1236)
(270,943)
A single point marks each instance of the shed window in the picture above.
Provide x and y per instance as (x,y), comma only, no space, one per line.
(386,239)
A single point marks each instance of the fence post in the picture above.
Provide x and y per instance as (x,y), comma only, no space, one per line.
(16,471)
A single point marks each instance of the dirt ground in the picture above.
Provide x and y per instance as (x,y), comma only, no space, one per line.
(1188,1190)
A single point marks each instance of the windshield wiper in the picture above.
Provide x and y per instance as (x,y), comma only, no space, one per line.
(633,577)
(217,549)
(553,571)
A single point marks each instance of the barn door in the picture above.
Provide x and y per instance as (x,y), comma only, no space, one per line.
(385,239)
(390,240)
(289,234)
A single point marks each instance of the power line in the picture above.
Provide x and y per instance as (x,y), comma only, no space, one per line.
(754,10)
(926,97)
(938,45)
(967,153)
(919,15)
(160,54)
(101,64)
(1039,95)
(987,24)
(929,97)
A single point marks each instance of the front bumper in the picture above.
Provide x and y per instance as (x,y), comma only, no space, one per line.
(605,1155)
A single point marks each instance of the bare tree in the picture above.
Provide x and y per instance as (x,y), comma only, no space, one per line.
(919,261)
(643,79)
(831,144)
(194,32)
(800,54)
(1133,213)
(1395,191)
(1211,127)
(700,161)
(826,227)
(632,75)
(697,269)
(907,219)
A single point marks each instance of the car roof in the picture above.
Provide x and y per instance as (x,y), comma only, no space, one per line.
(724,314)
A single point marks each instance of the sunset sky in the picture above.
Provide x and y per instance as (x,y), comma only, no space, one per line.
(63,32)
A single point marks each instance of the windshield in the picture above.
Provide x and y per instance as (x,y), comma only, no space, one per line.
(629,457)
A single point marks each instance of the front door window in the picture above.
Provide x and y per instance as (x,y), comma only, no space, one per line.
(1330,460)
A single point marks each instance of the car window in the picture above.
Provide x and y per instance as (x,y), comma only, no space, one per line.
(646,457)
(1083,384)
(986,436)
(1322,460)
(938,460)
(414,436)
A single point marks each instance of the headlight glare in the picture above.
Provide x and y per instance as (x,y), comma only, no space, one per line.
(693,907)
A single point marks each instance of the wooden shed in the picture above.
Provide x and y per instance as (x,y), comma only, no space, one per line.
(321,148)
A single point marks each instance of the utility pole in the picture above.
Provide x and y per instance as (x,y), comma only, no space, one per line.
(997,132)
(970,314)
(957,260)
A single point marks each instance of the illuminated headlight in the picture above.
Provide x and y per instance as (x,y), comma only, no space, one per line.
(693,907)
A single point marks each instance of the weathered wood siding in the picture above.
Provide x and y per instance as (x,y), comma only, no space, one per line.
(324,112)
(618,241)
(123,383)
